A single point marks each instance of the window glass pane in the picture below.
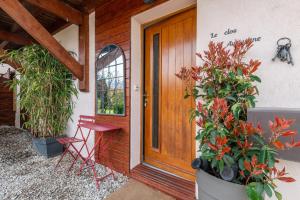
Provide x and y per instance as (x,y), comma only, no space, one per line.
(120,83)
(105,73)
(113,63)
(120,70)
(155,92)
(99,75)
(102,101)
(120,60)
(110,84)
(101,85)
(112,71)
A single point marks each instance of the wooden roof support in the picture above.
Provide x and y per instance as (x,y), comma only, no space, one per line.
(23,17)
(84,52)
(15,38)
(59,9)
(90,5)
(14,28)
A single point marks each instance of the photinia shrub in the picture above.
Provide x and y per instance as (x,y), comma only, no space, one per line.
(224,88)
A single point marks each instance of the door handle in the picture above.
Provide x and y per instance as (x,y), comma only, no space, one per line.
(145,99)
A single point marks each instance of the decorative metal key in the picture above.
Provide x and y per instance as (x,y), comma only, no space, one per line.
(283,50)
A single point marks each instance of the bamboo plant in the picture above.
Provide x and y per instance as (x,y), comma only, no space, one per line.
(46,90)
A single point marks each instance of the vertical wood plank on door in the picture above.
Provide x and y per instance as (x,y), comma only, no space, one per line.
(180,131)
(172,93)
(187,61)
(164,87)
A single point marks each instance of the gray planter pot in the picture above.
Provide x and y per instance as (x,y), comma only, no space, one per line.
(213,188)
(48,147)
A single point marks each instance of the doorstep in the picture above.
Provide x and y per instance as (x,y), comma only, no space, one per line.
(135,190)
(172,185)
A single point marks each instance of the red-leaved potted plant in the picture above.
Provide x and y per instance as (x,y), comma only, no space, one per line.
(237,162)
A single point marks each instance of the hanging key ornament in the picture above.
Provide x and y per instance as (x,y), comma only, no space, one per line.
(283,50)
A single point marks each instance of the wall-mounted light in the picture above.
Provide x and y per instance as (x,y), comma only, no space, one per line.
(283,50)
(148,1)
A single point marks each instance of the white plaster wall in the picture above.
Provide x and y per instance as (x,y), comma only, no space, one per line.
(4,68)
(85,103)
(270,20)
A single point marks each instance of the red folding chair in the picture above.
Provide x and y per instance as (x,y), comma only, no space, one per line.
(69,142)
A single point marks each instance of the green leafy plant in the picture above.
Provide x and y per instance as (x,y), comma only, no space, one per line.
(224,88)
(46,90)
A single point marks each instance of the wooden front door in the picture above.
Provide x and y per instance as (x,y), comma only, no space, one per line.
(169,135)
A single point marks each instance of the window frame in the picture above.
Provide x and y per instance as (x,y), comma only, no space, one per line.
(114,77)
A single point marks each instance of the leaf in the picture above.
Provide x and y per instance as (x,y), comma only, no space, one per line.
(259,139)
(198,137)
(251,103)
(278,195)
(287,179)
(255,78)
(254,160)
(259,188)
(289,133)
(247,165)
(212,147)
(229,161)
(186,94)
(252,193)
(268,190)
(236,109)
(297,144)
(212,137)
(221,165)
(278,145)
(271,159)
(231,75)
(262,156)
(231,98)
(239,72)
(214,163)
(241,164)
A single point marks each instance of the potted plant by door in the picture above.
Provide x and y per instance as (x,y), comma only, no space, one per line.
(46,91)
(236,161)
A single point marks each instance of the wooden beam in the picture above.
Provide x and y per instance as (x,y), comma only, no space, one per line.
(59,9)
(15,38)
(3,44)
(84,52)
(23,17)
(14,28)
(91,5)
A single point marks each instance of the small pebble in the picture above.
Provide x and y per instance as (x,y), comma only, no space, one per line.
(26,175)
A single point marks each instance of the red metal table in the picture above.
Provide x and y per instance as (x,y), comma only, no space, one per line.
(99,129)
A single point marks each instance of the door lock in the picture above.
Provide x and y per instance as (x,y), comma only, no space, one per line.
(145,99)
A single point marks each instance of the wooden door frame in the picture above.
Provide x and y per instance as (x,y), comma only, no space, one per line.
(157,22)
(138,22)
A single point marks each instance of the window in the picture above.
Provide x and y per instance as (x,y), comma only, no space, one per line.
(155,92)
(110,81)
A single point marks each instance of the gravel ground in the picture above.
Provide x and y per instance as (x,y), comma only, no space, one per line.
(26,175)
